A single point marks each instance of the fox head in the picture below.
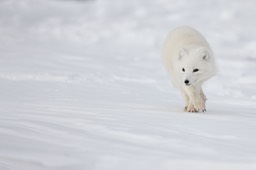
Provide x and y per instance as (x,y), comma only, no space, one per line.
(195,65)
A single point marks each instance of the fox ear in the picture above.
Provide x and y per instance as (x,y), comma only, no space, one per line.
(183,53)
(205,54)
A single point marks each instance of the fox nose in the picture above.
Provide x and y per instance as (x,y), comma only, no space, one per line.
(186,82)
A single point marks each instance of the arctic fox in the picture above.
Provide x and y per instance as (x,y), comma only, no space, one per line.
(189,60)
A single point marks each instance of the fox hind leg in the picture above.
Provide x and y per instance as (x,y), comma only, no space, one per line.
(202,95)
(203,98)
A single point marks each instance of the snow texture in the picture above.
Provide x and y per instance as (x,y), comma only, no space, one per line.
(83,86)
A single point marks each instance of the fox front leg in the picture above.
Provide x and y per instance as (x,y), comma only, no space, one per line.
(185,98)
(196,100)
(189,106)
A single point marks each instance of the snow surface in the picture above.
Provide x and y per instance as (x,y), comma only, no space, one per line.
(83,86)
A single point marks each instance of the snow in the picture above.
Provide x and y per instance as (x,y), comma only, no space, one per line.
(83,86)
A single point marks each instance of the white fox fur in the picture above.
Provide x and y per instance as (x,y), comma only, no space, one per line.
(189,60)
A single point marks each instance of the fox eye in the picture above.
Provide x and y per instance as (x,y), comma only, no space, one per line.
(183,69)
(195,70)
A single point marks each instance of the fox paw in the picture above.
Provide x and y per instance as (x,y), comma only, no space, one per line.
(196,108)
(191,109)
(200,106)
